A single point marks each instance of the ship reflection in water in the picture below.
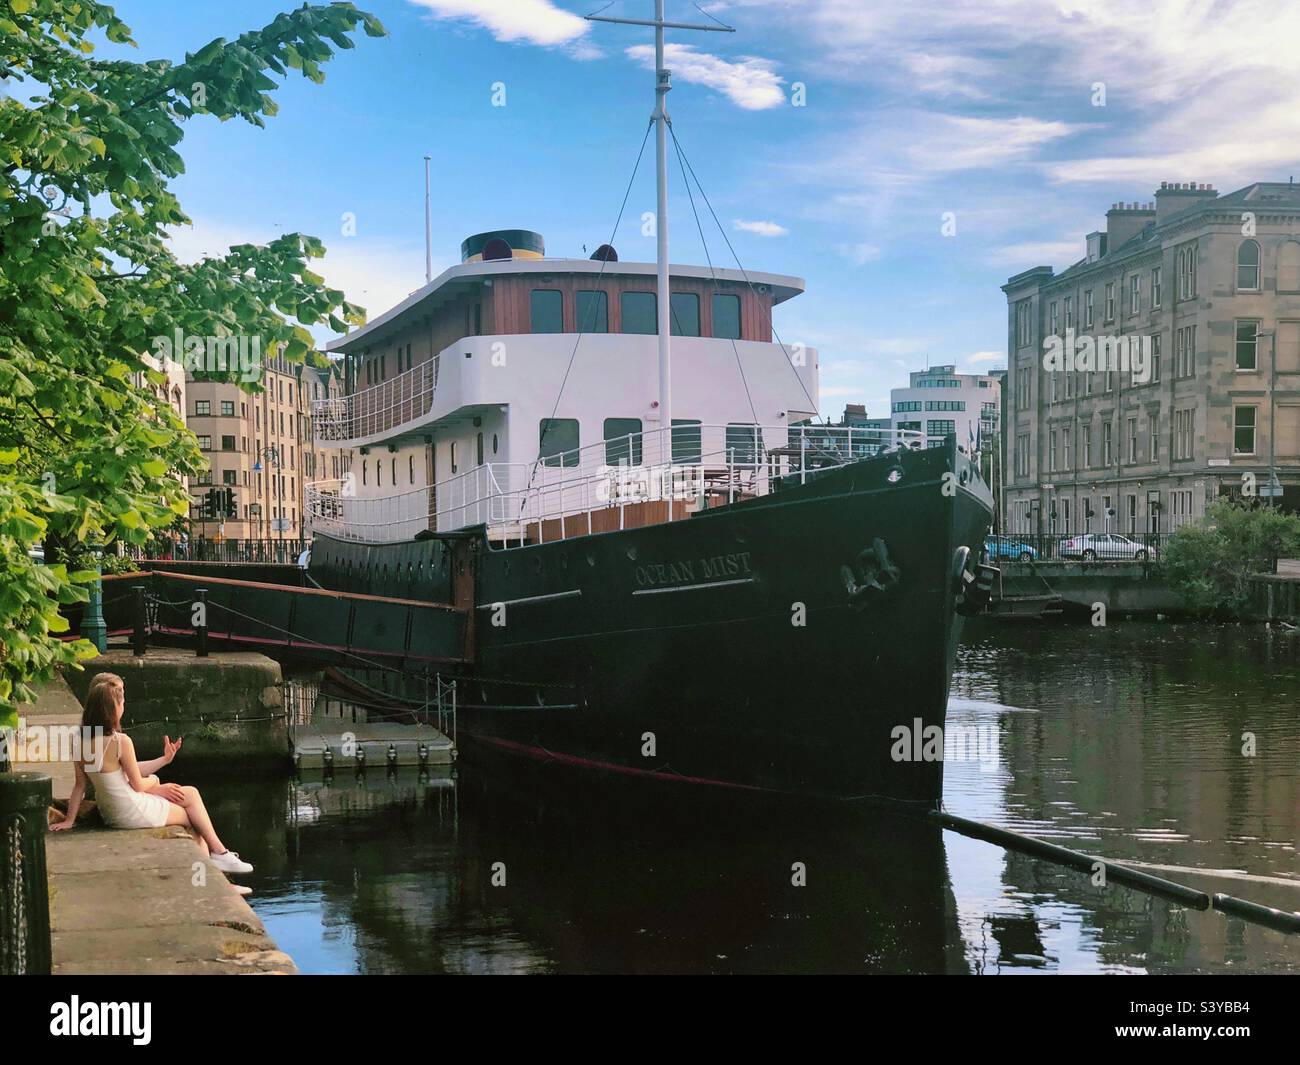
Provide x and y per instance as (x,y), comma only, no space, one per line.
(1124,742)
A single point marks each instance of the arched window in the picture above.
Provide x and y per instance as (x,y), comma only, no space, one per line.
(1288,267)
(1248,265)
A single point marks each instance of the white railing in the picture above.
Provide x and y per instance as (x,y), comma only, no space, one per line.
(378,409)
(638,479)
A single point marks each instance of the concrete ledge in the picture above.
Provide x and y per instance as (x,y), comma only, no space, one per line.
(146,901)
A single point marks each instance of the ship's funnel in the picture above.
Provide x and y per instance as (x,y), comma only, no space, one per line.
(500,244)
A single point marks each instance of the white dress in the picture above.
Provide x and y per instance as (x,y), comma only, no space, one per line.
(120,804)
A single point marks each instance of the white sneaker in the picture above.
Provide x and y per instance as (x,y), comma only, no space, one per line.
(230,862)
(242,889)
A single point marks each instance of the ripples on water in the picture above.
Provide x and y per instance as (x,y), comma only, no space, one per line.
(1125,742)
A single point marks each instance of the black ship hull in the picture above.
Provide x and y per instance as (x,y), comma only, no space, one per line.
(800,642)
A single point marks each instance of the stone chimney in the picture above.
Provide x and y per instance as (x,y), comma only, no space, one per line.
(1096,246)
(1125,220)
(1173,197)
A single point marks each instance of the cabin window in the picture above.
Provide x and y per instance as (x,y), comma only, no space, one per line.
(494,443)
(726,317)
(686,440)
(593,312)
(622,441)
(410,469)
(744,443)
(478,450)
(558,441)
(686,314)
(363,472)
(547,311)
(394,472)
(455,463)
(639,313)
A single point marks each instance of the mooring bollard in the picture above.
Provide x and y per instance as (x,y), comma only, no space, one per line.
(24,890)
(140,622)
(201,628)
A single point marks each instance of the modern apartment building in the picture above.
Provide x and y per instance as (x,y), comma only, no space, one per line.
(261,447)
(939,401)
(1162,370)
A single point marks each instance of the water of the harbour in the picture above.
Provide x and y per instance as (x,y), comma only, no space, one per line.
(1131,742)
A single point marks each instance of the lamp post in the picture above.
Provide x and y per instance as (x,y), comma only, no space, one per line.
(1272,414)
(93,626)
(272,455)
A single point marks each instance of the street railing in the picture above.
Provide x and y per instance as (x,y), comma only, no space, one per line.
(1075,547)
(269,551)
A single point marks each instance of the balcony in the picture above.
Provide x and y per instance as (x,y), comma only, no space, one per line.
(378,411)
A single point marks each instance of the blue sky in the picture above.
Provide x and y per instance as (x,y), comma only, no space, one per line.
(985,110)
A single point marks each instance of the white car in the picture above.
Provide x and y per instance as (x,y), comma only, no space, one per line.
(1105,546)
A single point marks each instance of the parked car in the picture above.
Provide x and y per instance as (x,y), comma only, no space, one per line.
(1107,546)
(1005,547)
(36,553)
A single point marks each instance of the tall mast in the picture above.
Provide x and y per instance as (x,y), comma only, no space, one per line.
(663,83)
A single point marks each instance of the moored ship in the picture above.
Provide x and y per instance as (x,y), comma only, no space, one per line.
(666,568)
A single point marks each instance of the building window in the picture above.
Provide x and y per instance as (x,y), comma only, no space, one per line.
(558,441)
(1051,451)
(687,442)
(1024,324)
(230,477)
(1248,266)
(1153,423)
(1156,278)
(940,428)
(227,443)
(1247,345)
(639,312)
(1183,429)
(1185,351)
(622,441)
(906,406)
(227,408)
(1110,301)
(1132,440)
(685,307)
(1067,447)
(1052,318)
(1085,439)
(726,317)
(593,312)
(202,406)
(1087,309)
(1134,294)
(1069,311)
(1243,430)
(1155,357)
(1023,384)
(546,311)
(1022,455)
(1106,435)
(1187,272)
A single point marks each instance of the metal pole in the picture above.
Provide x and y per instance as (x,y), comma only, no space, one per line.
(139,635)
(663,82)
(1272,422)
(428,227)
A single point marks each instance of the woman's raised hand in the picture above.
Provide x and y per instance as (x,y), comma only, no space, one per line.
(170,749)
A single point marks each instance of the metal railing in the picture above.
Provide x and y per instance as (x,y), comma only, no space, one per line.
(284,551)
(1074,547)
(378,409)
(636,479)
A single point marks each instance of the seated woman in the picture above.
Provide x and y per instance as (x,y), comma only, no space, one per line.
(128,793)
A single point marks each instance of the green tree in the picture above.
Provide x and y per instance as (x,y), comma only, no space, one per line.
(88,282)
(1211,562)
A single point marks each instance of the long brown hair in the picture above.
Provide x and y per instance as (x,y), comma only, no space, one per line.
(106,693)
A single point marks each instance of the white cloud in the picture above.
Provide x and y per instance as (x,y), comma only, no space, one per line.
(859,254)
(986,356)
(749,83)
(761,229)
(533,21)
(1039,253)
